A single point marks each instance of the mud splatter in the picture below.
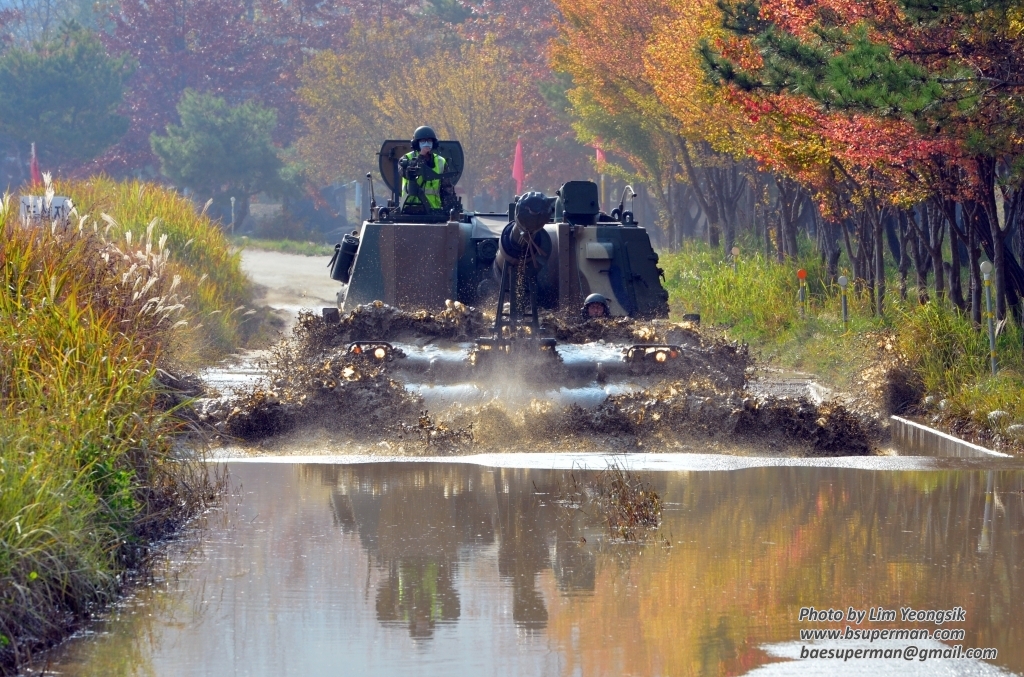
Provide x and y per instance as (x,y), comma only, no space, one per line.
(313,380)
(624,330)
(376,321)
(890,381)
(670,414)
(339,392)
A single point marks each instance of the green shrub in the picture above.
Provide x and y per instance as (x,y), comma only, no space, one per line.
(951,356)
(758,299)
(758,303)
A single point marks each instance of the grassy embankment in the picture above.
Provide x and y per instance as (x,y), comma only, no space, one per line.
(210,268)
(943,351)
(87,474)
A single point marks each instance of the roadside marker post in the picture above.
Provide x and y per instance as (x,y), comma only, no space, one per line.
(735,258)
(986,272)
(232,215)
(843,282)
(802,276)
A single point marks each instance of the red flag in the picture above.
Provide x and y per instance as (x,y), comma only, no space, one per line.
(33,169)
(518,172)
(599,153)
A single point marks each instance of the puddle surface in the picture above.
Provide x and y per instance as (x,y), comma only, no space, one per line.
(463,569)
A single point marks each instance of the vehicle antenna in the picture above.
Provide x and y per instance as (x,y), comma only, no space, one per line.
(373,200)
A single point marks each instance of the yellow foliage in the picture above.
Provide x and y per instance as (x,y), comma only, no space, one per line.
(392,82)
(476,96)
(673,66)
(602,46)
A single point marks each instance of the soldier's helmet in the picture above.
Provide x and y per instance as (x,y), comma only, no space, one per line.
(423,134)
(596,298)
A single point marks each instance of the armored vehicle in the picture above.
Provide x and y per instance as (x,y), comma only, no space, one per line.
(415,258)
(544,254)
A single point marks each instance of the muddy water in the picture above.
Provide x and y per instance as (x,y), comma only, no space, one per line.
(462,569)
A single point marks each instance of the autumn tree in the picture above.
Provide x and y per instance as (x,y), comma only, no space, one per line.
(221,151)
(8,20)
(63,94)
(615,53)
(600,46)
(938,77)
(552,151)
(240,50)
(479,98)
(469,91)
(345,114)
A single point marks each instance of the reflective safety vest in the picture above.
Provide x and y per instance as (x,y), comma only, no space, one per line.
(432,188)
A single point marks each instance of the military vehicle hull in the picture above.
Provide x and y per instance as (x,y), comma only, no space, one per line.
(544,254)
(417,265)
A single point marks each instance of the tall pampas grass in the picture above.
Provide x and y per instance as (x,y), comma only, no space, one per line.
(91,308)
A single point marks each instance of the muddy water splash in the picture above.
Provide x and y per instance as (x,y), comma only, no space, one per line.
(536,403)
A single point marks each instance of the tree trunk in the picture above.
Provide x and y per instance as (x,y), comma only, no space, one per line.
(987,179)
(975,249)
(828,243)
(659,201)
(904,248)
(879,263)
(706,203)
(780,245)
(934,231)
(675,215)
(718,185)
(999,263)
(956,292)
(849,245)
(922,260)
(790,203)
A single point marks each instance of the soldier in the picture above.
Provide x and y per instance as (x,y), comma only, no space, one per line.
(595,306)
(412,166)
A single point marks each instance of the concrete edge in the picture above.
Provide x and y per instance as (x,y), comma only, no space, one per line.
(907,434)
(682,461)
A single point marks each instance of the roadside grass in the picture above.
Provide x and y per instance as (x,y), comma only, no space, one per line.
(758,303)
(284,246)
(952,358)
(202,257)
(88,476)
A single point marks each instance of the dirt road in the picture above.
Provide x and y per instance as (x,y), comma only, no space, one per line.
(289,282)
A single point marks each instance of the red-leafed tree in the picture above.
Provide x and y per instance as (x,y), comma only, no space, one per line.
(238,49)
(552,153)
(904,89)
(7,19)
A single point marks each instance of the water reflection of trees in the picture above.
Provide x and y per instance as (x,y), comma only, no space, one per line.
(523,547)
(749,548)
